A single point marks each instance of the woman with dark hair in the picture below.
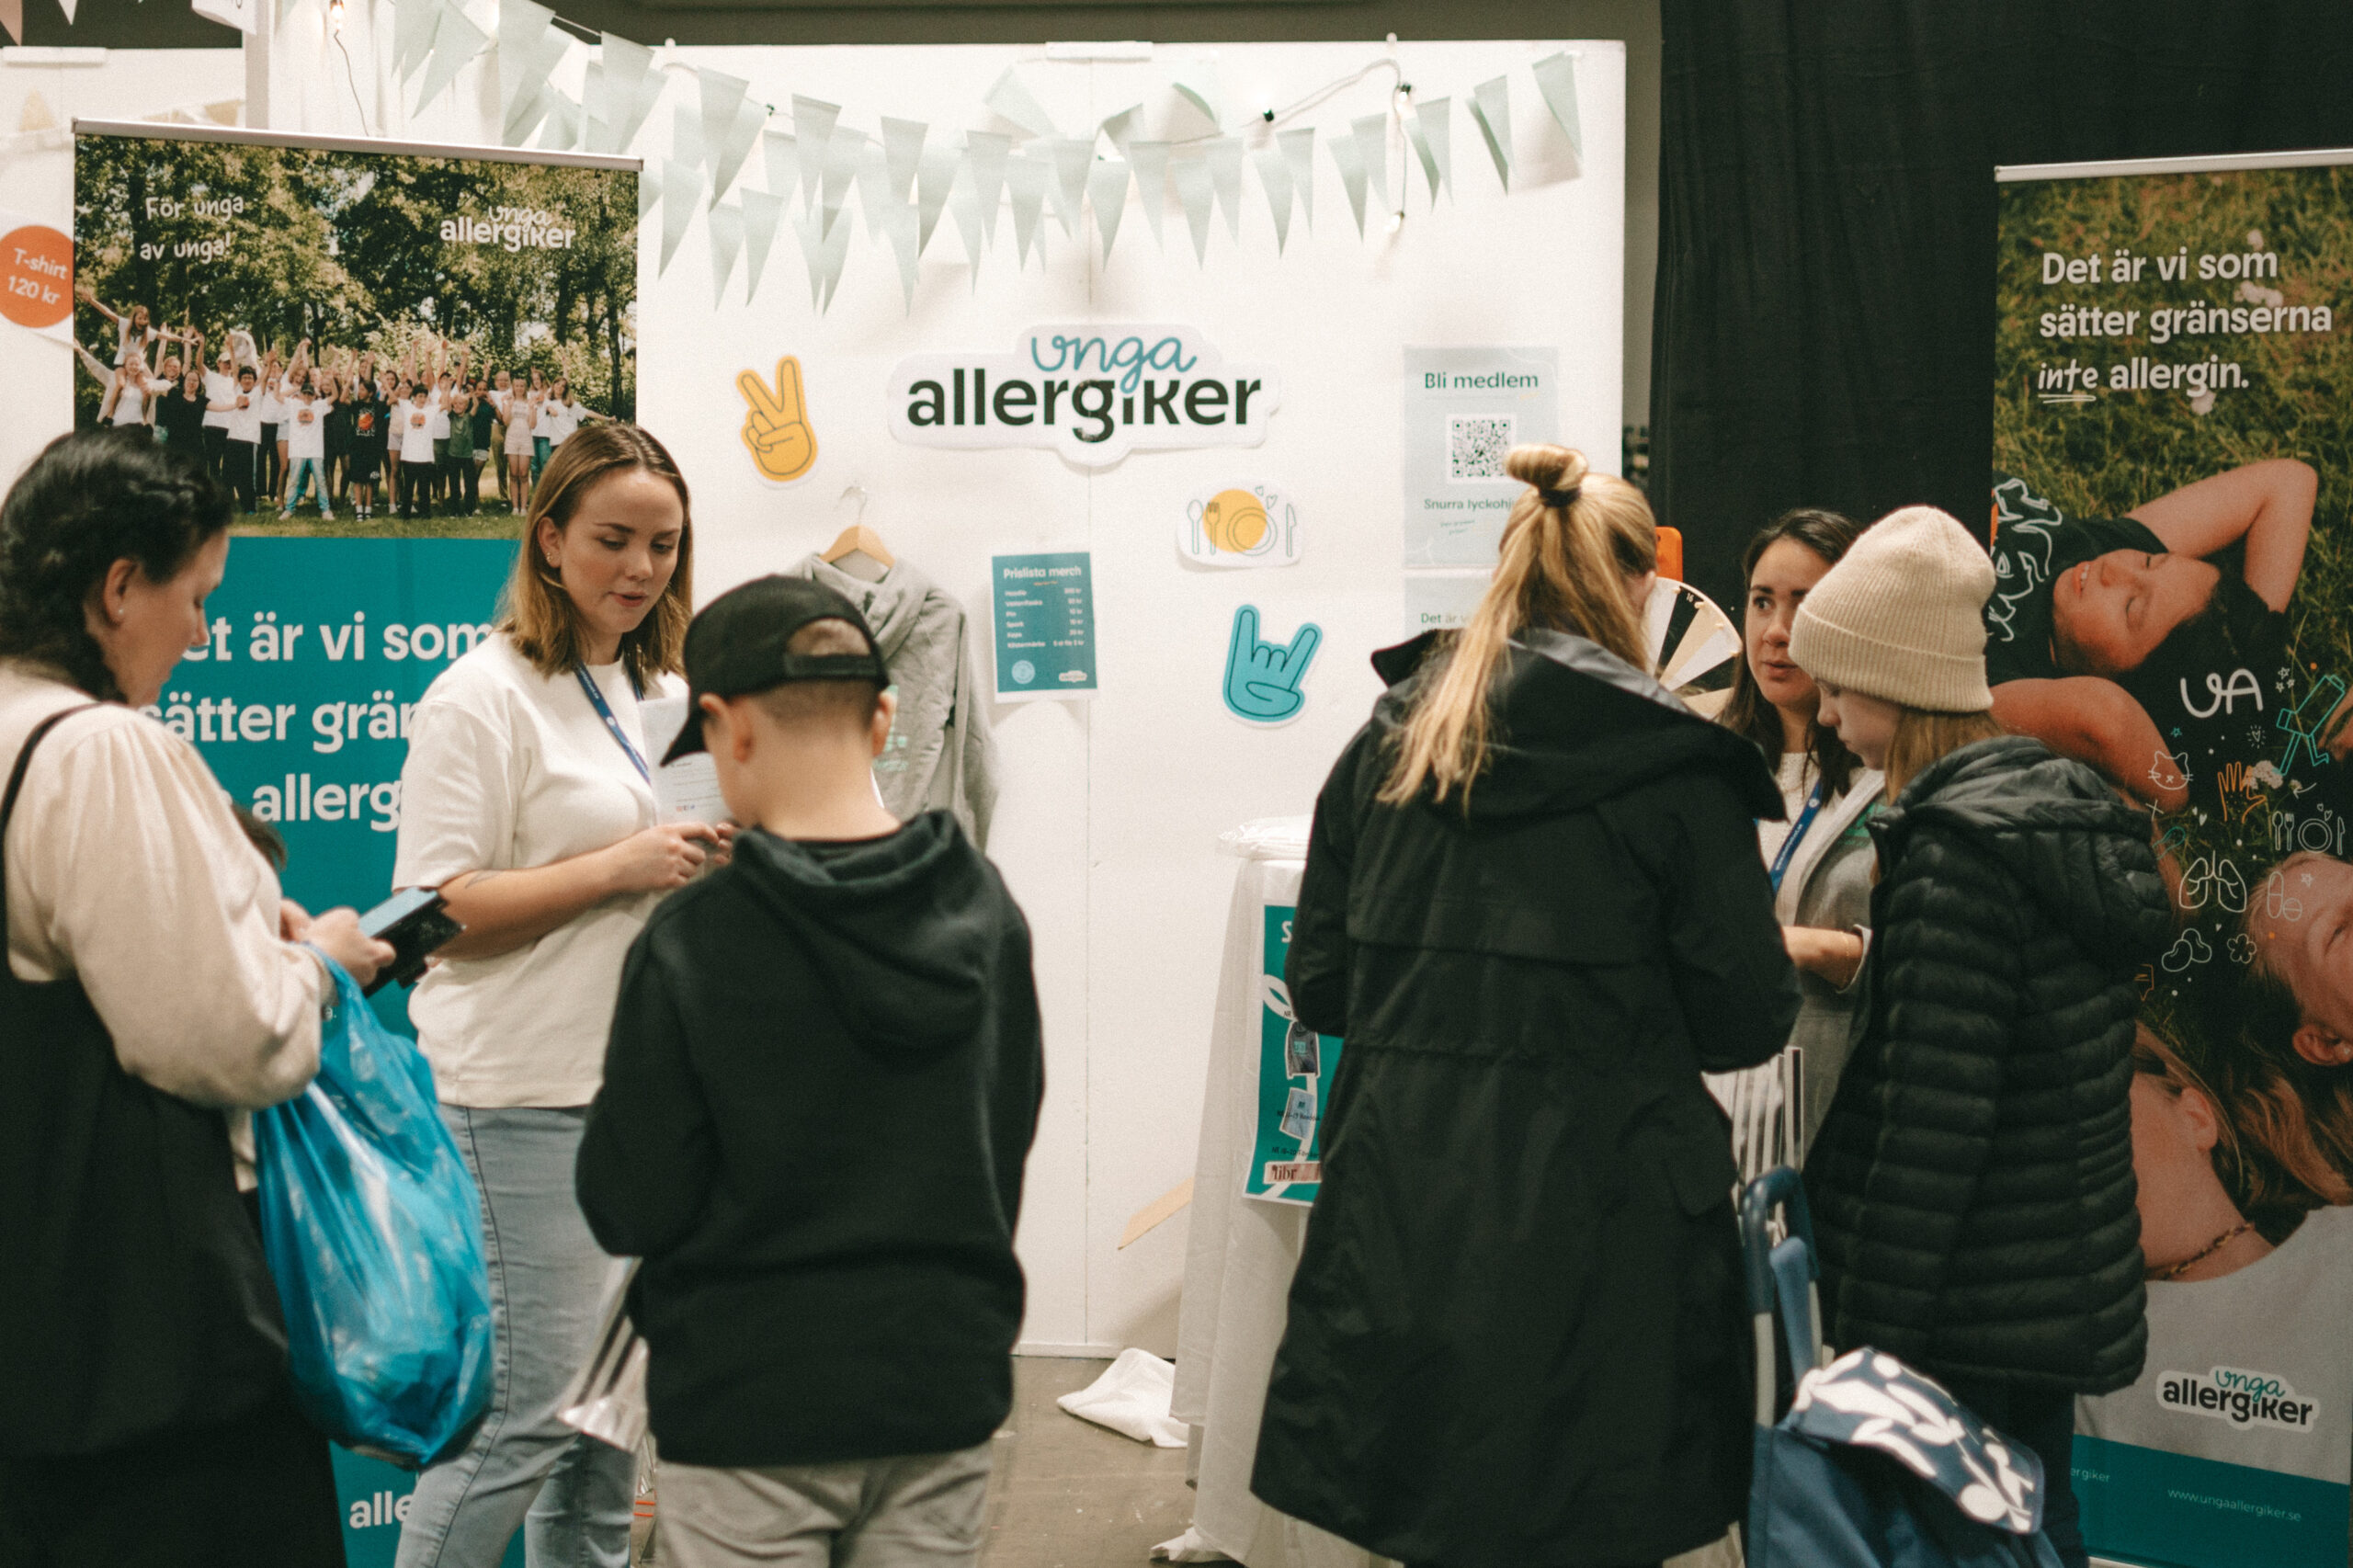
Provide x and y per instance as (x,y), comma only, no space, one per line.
(157,989)
(1820,854)
(1533,907)
(527,800)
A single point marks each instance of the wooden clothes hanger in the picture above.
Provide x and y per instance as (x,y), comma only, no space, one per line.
(859,539)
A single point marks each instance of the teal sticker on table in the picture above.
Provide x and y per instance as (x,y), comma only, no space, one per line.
(1044,612)
(1295,1068)
(1262,678)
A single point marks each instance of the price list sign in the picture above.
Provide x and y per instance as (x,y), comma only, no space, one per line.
(1045,626)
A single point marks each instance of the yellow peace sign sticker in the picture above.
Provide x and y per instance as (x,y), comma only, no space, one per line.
(775,427)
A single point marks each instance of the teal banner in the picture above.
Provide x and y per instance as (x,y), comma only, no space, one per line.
(2176,1511)
(1295,1069)
(300,703)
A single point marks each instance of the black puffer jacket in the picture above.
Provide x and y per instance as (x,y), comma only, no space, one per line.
(1972,1187)
(1515,1334)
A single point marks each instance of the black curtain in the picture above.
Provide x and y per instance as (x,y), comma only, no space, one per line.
(1826,277)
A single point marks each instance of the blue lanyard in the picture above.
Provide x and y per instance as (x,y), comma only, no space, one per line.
(620,737)
(1780,867)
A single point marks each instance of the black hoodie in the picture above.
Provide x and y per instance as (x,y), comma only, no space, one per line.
(1516,1334)
(821,1085)
(1972,1189)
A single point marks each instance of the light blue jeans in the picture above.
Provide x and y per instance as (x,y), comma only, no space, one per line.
(523,1467)
(306,470)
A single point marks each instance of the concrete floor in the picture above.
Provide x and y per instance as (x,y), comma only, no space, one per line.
(1068,1493)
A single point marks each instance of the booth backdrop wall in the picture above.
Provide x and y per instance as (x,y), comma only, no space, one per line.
(1824,319)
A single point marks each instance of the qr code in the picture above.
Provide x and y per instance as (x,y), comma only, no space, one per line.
(1475,445)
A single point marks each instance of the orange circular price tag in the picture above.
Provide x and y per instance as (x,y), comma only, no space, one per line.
(36,276)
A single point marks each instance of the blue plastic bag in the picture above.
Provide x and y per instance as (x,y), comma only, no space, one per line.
(372,1227)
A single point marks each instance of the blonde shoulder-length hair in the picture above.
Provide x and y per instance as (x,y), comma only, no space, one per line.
(1571,546)
(537,611)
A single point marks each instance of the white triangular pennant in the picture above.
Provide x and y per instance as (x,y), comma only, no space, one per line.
(751,115)
(521,25)
(649,190)
(762,211)
(1491,111)
(626,77)
(985,153)
(841,169)
(1150,161)
(1121,129)
(1274,178)
(1027,177)
(725,224)
(1556,78)
(1225,178)
(903,153)
(1191,175)
(899,227)
(965,206)
(783,162)
(1107,192)
(1299,151)
(686,136)
(524,118)
(1195,81)
(1349,155)
(1071,157)
(874,186)
(561,133)
(1012,99)
(812,126)
(823,255)
(681,189)
(1432,130)
(455,43)
(935,178)
(721,96)
(413,25)
(1371,135)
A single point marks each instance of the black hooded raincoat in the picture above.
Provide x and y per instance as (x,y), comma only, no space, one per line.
(1517,1338)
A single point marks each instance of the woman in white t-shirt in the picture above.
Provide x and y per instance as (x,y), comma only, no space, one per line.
(128,403)
(527,800)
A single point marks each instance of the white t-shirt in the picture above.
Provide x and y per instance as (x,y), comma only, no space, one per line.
(305,440)
(273,407)
(414,421)
(509,769)
(131,402)
(2273,1332)
(439,424)
(558,421)
(245,423)
(218,388)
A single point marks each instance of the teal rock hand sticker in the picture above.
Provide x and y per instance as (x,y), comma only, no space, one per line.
(1262,678)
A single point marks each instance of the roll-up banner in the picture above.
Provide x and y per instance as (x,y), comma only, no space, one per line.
(385,340)
(2173,456)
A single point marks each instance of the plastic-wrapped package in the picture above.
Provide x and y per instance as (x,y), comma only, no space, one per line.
(372,1227)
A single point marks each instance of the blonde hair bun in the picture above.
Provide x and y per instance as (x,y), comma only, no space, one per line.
(1547,466)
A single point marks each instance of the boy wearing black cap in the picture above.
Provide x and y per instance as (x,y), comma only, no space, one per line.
(822,1080)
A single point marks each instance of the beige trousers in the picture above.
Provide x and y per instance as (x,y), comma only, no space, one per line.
(921,1511)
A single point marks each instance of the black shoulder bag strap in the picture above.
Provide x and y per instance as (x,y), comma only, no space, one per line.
(138,1304)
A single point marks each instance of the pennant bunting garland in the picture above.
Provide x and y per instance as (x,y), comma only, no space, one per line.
(1349,153)
(1026,176)
(1107,191)
(1491,111)
(1225,178)
(1299,151)
(762,211)
(903,153)
(1274,177)
(1556,78)
(1371,136)
(1191,175)
(1433,135)
(1150,161)
(1010,98)
(681,189)
(726,225)
(456,42)
(812,124)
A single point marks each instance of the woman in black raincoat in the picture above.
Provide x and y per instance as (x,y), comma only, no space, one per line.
(1534,908)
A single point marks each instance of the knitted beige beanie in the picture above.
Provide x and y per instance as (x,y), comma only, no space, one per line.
(1901,617)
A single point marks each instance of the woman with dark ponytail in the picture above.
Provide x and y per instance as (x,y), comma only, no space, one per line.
(1534,909)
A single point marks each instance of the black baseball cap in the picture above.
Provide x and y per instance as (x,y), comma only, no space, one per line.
(736,647)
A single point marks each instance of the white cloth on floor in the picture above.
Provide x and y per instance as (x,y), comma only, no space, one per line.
(1131,1399)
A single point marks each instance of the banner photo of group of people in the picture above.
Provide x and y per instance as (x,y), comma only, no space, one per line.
(2173,606)
(356,342)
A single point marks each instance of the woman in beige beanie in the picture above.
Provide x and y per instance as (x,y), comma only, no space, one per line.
(1973,1186)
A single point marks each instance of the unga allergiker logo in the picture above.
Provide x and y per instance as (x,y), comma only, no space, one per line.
(2242,1398)
(1092,393)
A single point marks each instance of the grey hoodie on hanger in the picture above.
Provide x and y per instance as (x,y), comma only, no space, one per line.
(939,754)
